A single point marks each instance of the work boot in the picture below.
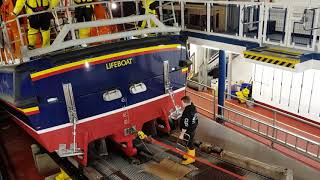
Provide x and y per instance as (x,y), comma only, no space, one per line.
(32,37)
(189,159)
(45,38)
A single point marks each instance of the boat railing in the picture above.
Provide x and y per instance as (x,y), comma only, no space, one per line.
(64,31)
(288,25)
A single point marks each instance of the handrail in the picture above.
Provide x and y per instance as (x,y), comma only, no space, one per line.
(213,57)
(304,21)
(202,97)
(271,125)
(274,137)
(59,42)
(215,2)
(201,84)
(260,38)
(254,22)
(276,111)
(208,99)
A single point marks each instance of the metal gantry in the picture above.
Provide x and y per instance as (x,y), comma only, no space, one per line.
(288,25)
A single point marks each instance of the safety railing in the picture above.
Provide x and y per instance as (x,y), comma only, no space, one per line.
(213,61)
(265,127)
(219,18)
(274,119)
(289,25)
(206,104)
(272,132)
(167,13)
(65,29)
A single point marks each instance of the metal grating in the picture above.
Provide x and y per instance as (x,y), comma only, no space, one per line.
(114,177)
(102,168)
(115,167)
(116,162)
(213,174)
(137,173)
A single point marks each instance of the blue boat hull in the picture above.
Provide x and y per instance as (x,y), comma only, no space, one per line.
(92,72)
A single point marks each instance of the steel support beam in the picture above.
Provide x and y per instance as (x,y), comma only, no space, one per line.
(229,75)
(221,83)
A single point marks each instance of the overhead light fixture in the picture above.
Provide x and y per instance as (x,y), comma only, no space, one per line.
(114,5)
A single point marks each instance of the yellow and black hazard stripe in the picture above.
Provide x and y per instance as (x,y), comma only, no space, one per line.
(288,62)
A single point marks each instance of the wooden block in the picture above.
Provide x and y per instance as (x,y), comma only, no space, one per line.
(167,169)
(46,165)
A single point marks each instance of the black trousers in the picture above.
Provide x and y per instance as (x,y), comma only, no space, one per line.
(190,142)
(83,14)
(40,21)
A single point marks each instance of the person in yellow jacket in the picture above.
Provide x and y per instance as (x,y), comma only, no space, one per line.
(37,22)
(149,7)
(83,14)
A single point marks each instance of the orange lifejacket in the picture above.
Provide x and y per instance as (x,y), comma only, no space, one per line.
(100,13)
(11,27)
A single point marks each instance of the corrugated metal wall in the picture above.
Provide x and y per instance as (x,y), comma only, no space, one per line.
(298,93)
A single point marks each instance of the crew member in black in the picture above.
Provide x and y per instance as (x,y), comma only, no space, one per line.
(84,14)
(188,126)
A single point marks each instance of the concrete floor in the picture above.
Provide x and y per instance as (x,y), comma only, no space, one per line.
(16,148)
(233,141)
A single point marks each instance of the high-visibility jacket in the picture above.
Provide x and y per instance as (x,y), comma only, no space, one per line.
(34,5)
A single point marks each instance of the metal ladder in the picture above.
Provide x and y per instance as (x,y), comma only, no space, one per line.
(170,16)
